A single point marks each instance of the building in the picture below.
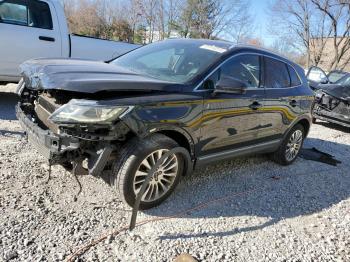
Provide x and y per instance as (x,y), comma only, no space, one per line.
(322,49)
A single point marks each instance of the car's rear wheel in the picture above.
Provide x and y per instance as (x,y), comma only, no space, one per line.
(133,164)
(291,146)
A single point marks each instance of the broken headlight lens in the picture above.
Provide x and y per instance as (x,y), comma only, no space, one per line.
(88,112)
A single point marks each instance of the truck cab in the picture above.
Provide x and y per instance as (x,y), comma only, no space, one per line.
(38,28)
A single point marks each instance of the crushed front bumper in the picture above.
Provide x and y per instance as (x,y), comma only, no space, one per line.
(329,116)
(51,146)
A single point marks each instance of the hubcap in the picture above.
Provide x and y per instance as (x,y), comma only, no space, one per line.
(294,145)
(162,179)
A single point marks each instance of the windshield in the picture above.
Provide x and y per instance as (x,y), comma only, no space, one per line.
(334,76)
(345,80)
(176,61)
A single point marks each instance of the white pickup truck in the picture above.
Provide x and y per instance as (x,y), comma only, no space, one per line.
(38,28)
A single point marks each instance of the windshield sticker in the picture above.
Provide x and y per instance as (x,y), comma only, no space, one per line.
(213,48)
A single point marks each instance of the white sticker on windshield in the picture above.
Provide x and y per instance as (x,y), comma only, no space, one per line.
(213,48)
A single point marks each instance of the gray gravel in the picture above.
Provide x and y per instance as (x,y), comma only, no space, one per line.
(295,213)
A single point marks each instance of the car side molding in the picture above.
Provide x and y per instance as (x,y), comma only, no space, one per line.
(266,147)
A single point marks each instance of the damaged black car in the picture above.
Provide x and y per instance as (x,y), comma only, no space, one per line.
(332,96)
(167,107)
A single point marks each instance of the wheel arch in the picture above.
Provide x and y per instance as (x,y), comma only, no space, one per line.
(306,124)
(182,138)
(305,121)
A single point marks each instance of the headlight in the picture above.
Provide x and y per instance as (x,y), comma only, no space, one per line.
(318,94)
(86,111)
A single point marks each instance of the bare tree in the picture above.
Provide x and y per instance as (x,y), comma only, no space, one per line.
(310,25)
(338,14)
(215,19)
(153,20)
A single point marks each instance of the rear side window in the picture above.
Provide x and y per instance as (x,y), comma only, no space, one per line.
(276,74)
(243,68)
(39,15)
(18,12)
(294,78)
(13,12)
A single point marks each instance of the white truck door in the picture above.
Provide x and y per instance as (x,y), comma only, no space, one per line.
(28,29)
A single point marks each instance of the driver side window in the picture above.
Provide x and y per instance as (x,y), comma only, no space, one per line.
(243,68)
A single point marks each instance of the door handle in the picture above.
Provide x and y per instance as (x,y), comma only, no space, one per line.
(255,106)
(46,38)
(293,103)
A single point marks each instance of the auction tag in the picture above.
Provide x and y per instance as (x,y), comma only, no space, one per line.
(213,48)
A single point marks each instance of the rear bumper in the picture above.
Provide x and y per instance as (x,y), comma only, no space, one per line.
(51,146)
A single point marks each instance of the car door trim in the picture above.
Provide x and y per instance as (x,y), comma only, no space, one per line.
(269,146)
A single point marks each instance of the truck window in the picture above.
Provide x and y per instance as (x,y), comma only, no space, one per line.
(35,14)
(39,15)
(13,12)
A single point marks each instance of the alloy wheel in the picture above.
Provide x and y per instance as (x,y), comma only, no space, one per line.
(161,181)
(294,145)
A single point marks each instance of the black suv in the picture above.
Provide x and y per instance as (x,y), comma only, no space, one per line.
(213,99)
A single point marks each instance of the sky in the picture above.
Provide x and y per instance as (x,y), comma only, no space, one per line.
(260,12)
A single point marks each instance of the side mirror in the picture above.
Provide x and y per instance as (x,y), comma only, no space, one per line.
(324,81)
(231,86)
(317,75)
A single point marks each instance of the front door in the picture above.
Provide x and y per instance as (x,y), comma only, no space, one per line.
(229,120)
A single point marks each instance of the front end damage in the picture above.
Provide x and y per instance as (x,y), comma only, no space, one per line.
(331,108)
(86,147)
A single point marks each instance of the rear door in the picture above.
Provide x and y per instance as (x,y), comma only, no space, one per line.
(282,101)
(28,30)
(230,120)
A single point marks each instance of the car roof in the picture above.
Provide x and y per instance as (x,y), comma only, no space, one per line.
(234,48)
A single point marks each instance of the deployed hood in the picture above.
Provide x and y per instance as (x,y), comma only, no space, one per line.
(338,91)
(88,77)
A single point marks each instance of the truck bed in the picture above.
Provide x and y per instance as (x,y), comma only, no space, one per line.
(97,49)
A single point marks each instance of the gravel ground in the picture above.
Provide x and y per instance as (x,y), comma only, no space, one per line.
(295,213)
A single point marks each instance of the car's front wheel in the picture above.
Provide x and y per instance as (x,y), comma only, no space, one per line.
(290,147)
(133,164)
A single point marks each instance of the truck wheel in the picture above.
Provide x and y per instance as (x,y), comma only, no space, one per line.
(290,147)
(133,163)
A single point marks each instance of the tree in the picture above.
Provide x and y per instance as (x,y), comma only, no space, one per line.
(145,21)
(310,25)
(214,19)
(338,14)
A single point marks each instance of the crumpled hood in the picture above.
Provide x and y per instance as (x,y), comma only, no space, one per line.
(338,91)
(88,77)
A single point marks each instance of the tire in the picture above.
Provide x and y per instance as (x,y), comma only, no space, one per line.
(133,157)
(281,156)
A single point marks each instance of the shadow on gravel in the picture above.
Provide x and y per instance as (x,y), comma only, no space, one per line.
(7,106)
(304,188)
(11,133)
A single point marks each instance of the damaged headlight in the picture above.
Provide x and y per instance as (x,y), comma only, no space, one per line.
(318,95)
(86,111)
